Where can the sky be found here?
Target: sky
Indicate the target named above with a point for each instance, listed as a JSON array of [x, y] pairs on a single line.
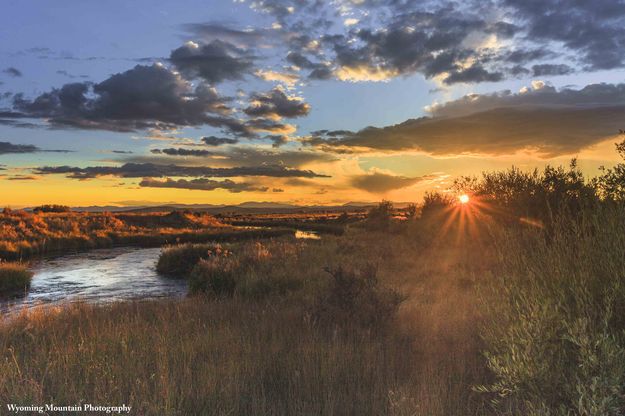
[[299, 101]]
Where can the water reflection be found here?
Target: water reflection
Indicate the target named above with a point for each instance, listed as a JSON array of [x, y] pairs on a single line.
[[311, 235]]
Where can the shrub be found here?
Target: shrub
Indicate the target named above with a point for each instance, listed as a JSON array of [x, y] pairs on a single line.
[[14, 279], [556, 343], [215, 275], [379, 217], [178, 261], [355, 297], [52, 208], [435, 204]]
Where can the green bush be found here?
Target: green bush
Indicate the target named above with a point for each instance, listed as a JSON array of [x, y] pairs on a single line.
[[556, 341], [14, 279]]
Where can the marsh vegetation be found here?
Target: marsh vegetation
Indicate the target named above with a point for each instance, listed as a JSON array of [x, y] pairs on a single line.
[[511, 303]]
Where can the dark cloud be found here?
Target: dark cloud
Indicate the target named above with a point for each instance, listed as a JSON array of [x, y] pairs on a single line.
[[594, 29], [182, 152], [11, 71], [542, 119], [438, 39], [380, 183], [6, 147], [143, 170], [268, 126], [122, 152], [551, 69], [140, 98], [277, 139], [215, 61], [203, 184], [276, 104], [318, 70], [253, 156], [211, 31], [218, 141], [473, 74]]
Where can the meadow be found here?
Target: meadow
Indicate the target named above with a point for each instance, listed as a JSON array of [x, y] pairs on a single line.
[[25, 234], [511, 303]]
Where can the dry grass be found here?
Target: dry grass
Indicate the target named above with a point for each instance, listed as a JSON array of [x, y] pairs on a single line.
[[270, 354], [25, 234]]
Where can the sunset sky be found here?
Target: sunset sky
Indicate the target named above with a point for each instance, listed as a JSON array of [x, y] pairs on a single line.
[[299, 101]]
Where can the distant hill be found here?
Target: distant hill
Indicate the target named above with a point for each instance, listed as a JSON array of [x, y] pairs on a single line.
[[245, 207], [251, 207]]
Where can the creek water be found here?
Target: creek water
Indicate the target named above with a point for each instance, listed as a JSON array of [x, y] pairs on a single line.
[[102, 275]]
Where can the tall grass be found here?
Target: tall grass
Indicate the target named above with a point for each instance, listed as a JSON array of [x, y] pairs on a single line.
[[200, 358], [310, 328], [14, 279]]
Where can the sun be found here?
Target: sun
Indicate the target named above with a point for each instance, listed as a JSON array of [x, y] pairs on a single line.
[[464, 199]]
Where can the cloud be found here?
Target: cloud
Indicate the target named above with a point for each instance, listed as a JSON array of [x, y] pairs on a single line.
[[379, 183], [285, 78], [215, 62], [595, 30], [6, 147], [551, 69], [22, 178], [211, 31], [544, 120], [203, 184], [318, 70], [13, 72], [276, 104], [469, 42], [218, 141], [143, 97], [261, 125], [182, 152], [142, 170], [250, 156], [473, 74]]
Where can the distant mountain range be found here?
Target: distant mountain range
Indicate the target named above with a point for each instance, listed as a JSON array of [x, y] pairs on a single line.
[[245, 207]]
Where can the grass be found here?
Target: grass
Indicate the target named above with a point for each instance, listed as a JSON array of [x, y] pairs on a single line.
[[25, 234], [14, 279], [199, 358], [288, 340], [496, 307]]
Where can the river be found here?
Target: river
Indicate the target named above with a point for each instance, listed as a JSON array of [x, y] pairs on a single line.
[[102, 275]]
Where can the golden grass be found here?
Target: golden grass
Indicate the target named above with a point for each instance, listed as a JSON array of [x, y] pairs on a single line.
[[268, 355]]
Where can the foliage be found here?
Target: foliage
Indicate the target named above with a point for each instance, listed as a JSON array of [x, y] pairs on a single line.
[[51, 208], [514, 194], [14, 279], [555, 341], [436, 204], [356, 297], [379, 217], [611, 183]]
